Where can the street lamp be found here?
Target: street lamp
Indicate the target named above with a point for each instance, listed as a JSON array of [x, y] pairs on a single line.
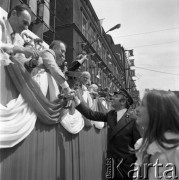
[[117, 26]]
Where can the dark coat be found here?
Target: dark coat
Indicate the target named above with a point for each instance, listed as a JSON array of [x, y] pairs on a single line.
[[121, 136]]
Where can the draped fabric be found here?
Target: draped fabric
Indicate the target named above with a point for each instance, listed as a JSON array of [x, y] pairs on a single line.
[[98, 107], [34, 93], [73, 123], [16, 122], [49, 151], [80, 96], [18, 117], [48, 113]]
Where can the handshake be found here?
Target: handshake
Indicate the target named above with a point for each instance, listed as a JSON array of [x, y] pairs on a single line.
[[70, 97]]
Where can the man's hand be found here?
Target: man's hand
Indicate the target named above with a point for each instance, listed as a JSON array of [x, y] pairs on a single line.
[[81, 58], [27, 51], [76, 100], [68, 93], [7, 49], [30, 51], [35, 62]]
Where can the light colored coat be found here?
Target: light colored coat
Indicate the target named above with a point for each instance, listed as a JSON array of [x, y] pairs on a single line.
[[165, 162]]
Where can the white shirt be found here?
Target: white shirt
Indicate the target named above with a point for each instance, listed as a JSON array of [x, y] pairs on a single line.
[[6, 30], [120, 113]]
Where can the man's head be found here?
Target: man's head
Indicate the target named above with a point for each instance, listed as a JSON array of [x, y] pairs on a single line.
[[19, 18], [85, 77], [59, 47], [121, 99]]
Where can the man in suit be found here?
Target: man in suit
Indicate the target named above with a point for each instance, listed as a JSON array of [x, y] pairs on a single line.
[[52, 59], [122, 133]]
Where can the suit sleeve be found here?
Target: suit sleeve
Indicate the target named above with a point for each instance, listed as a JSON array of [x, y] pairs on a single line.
[[92, 115], [50, 64]]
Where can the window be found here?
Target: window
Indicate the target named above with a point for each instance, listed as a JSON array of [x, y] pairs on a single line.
[[104, 54], [90, 34], [84, 26], [94, 41]]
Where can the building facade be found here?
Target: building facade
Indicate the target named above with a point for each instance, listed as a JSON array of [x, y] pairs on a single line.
[[76, 23], [79, 27]]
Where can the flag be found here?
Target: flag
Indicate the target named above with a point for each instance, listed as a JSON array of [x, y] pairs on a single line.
[[132, 72], [131, 62], [100, 23], [131, 53]]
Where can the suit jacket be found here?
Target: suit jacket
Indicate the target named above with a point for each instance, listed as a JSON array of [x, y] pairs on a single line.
[[121, 136]]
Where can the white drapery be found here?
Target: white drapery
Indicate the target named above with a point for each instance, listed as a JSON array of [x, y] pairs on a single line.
[[17, 119], [73, 123], [87, 98]]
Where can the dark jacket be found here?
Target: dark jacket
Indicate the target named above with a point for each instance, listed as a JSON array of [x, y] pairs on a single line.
[[121, 137]]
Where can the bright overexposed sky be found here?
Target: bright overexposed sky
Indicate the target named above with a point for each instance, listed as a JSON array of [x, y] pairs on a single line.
[[151, 28]]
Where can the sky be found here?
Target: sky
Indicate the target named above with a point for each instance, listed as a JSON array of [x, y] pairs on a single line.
[[151, 29]]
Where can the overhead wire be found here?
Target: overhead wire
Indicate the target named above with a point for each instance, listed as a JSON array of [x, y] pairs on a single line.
[[152, 65], [154, 44], [137, 34], [156, 71]]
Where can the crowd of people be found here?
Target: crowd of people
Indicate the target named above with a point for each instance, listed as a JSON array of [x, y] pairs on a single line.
[[135, 143]]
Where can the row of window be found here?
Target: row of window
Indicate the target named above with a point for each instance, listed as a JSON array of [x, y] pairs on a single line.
[[91, 35]]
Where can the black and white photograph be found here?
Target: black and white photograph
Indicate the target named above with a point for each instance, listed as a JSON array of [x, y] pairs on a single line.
[[89, 89]]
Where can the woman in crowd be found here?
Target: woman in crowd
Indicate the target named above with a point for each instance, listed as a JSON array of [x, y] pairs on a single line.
[[158, 151]]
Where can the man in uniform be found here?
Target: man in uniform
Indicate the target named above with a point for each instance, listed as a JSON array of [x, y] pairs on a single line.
[[122, 133]]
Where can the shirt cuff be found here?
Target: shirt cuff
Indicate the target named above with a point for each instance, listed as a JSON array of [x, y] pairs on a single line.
[[64, 85]]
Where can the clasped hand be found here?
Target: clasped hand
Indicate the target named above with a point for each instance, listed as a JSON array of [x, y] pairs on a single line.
[[27, 51], [71, 95]]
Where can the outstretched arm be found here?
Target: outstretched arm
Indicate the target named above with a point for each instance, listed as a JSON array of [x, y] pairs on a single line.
[[88, 113]]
